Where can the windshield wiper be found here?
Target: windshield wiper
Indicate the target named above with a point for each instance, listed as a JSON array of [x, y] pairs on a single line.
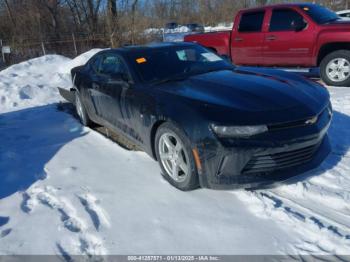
[[170, 79], [215, 70]]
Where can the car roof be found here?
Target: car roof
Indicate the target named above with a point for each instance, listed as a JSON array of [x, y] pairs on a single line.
[[151, 46]]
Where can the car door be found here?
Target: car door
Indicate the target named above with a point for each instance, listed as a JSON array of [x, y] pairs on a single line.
[[93, 83], [111, 89], [289, 39], [248, 38]]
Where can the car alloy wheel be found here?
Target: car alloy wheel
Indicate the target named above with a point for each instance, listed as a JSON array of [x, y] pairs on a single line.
[[173, 157], [338, 69]]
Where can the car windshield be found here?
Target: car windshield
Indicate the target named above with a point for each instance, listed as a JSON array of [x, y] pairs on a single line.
[[175, 63], [320, 14]]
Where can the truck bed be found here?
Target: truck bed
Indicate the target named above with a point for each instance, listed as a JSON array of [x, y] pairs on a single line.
[[221, 41]]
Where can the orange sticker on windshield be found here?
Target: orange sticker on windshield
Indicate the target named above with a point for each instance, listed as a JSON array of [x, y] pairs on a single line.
[[141, 60]]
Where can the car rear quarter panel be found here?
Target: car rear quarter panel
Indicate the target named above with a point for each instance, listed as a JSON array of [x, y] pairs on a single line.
[[80, 76]]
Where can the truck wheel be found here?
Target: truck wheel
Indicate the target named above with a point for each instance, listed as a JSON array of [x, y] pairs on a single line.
[[335, 68]]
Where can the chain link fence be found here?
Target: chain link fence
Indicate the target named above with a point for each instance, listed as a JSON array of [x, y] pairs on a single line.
[[69, 45]]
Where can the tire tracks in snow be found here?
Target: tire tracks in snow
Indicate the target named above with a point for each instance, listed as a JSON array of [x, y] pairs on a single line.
[[302, 212], [317, 209], [85, 243], [319, 232]]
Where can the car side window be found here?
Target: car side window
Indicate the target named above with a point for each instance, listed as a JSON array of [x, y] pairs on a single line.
[[186, 55], [113, 65], [95, 64], [285, 20], [251, 22]]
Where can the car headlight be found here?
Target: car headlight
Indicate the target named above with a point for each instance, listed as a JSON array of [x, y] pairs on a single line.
[[239, 131]]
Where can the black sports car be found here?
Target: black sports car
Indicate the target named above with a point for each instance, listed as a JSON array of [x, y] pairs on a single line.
[[207, 122]]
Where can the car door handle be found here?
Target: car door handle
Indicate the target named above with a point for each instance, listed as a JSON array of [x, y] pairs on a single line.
[[238, 39], [271, 38]]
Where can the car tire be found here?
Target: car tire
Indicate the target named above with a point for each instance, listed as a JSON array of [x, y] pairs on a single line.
[[81, 111], [176, 159], [335, 68]]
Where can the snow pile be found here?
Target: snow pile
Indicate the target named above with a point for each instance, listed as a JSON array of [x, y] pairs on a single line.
[[149, 31], [177, 34], [219, 27], [31, 83], [35, 82], [180, 29], [177, 37], [78, 61]]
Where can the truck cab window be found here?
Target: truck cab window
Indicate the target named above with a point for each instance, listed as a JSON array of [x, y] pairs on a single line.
[[251, 22], [285, 20]]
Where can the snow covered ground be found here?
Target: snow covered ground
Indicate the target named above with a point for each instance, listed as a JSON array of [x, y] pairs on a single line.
[[66, 189]]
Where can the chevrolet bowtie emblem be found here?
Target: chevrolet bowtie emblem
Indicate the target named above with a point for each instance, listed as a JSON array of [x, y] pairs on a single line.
[[311, 121]]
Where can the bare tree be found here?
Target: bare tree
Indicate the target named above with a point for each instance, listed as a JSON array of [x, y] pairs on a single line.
[[10, 13], [93, 9], [133, 11], [25, 24], [112, 20]]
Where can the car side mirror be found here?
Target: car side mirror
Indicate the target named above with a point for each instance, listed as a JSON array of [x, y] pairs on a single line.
[[299, 25]]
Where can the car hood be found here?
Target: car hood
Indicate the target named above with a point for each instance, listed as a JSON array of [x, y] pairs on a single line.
[[255, 91]]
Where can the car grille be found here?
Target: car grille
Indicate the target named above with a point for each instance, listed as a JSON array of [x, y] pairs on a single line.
[[301, 123], [277, 161], [288, 125]]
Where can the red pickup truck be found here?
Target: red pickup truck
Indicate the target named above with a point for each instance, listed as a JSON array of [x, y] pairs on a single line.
[[286, 35]]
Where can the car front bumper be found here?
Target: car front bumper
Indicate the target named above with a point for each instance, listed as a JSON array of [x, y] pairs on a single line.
[[261, 163]]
